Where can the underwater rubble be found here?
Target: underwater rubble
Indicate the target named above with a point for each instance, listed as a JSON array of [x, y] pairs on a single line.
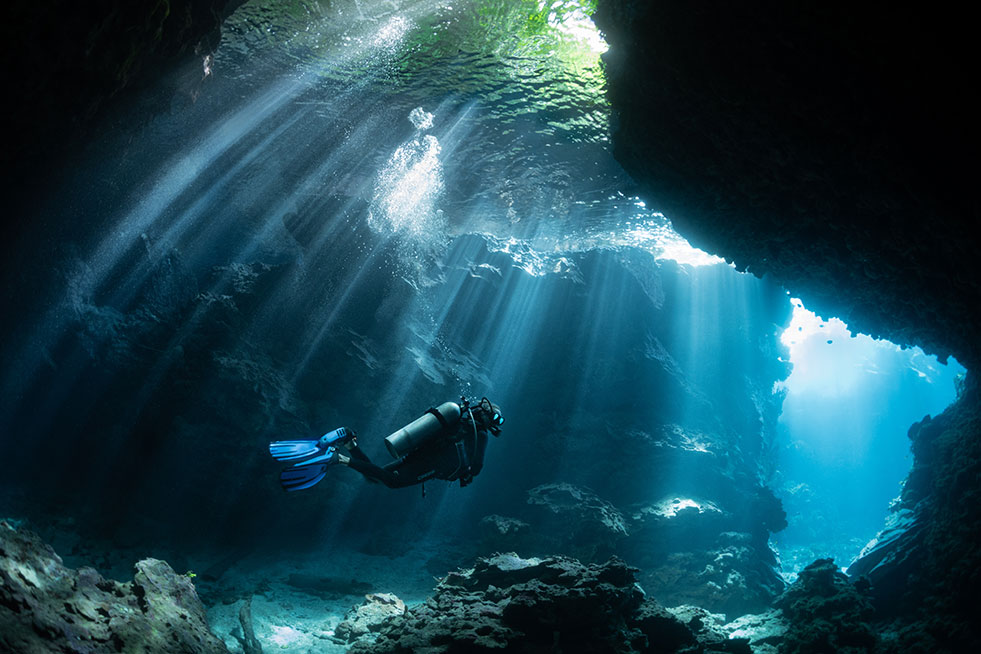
[[826, 612]]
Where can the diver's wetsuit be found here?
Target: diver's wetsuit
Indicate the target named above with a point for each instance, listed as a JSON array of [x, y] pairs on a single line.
[[437, 460]]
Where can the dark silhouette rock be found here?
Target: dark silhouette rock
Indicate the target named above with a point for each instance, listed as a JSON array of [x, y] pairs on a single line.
[[826, 612], [576, 521], [69, 61], [500, 534], [812, 143], [924, 566]]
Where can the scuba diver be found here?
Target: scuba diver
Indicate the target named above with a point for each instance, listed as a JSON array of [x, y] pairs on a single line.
[[446, 442]]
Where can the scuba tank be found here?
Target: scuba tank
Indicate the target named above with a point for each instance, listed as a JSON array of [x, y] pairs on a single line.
[[423, 429]]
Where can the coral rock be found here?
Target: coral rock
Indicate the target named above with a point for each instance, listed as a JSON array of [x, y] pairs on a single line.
[[554, 604]]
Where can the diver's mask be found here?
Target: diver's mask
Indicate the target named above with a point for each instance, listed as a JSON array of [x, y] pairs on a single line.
[[492, 417]]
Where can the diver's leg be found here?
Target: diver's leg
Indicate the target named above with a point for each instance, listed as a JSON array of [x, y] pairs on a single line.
[[388, 475], [406, 471], [357, 453]]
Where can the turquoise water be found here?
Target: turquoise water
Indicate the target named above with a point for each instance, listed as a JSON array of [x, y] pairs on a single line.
[[849, 402]]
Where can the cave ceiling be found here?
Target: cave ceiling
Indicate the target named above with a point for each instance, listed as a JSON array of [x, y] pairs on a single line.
[[833, 149]]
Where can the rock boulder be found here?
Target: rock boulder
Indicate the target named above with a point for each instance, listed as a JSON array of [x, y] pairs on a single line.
[[46, 607]]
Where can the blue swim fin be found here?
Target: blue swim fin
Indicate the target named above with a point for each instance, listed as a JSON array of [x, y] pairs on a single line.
[[308, 472], [293, 450], [300, 477], [312, 458]]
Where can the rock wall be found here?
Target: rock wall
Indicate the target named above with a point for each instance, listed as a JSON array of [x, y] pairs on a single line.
[[64, 62], [796, 141], [652, 444], [924, 566], [813, 143]]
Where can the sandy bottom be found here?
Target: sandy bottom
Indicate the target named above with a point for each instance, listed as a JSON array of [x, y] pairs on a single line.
[[292, 619]]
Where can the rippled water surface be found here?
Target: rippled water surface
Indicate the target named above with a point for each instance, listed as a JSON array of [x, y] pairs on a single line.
[[517, 144]]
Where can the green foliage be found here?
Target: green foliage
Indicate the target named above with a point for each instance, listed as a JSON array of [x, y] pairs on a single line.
[[521, 28]]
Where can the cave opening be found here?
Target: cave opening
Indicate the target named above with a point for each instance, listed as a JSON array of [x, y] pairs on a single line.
[[849, 401]]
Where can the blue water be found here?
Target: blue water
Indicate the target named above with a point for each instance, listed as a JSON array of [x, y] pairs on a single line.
[[358, 213], [849, 402]]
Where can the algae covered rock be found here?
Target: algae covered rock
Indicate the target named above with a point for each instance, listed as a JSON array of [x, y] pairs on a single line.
[[554, 604], [46, 607]]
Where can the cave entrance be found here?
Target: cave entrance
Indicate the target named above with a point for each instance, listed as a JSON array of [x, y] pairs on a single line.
[[844, 455]]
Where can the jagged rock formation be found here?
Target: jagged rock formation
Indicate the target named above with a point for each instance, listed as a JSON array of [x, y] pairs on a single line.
[[555, 604], [701, 410], [576, 521], [811, 142], [46, 607], [202, 386], [795, 140], [688, 551], [925, 566], [499, 533], [822, 611]]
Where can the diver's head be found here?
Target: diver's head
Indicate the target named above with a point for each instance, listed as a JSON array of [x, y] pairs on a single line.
[[489, 415]]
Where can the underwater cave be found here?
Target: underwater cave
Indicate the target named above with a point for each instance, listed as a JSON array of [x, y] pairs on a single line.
[[713, 266]]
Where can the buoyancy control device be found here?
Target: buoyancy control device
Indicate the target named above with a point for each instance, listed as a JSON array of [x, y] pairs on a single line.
[[423, 429]]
